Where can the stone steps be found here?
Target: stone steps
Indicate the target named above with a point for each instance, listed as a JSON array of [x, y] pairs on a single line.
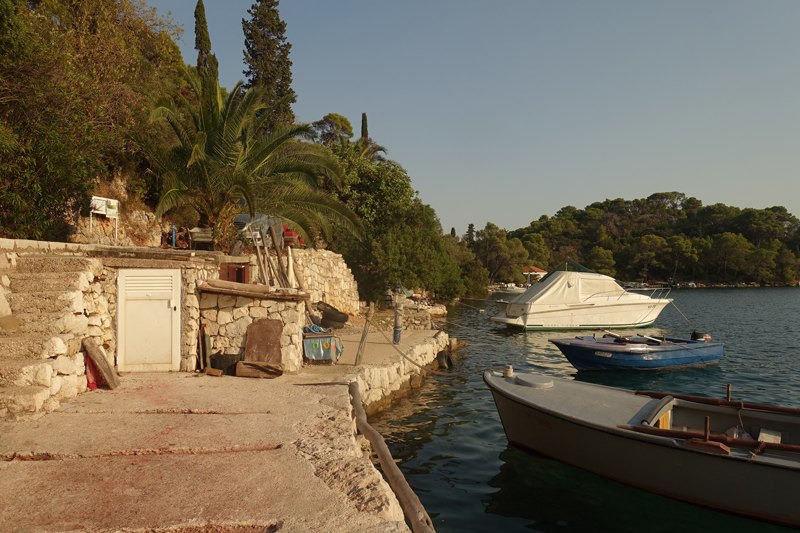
[[25, 403], [46, 302], [49, 281], [41, 337], [38, 324], [43, 264], [37, 347], [26, 372]]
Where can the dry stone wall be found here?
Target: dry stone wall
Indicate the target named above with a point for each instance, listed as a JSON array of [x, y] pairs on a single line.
[[226, 318], [326, 278]]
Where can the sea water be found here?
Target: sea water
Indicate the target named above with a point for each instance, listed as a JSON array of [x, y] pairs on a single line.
[[450, 444]]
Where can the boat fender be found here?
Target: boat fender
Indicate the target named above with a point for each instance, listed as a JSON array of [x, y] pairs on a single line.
[[444, 360]]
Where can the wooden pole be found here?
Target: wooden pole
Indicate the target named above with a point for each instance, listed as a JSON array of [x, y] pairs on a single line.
[[398, 322], [363, 343], [412, 507], [285, 278], [261, 269]]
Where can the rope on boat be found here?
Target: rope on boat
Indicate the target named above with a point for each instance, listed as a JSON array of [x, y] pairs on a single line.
[[684, 316]]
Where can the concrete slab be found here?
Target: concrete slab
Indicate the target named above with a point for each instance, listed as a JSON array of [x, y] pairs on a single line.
[[189, 452]]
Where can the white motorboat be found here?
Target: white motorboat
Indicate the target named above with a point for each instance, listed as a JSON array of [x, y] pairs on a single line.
[[581, 300]]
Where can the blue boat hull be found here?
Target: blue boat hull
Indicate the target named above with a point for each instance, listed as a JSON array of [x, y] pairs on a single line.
[[588, 353]]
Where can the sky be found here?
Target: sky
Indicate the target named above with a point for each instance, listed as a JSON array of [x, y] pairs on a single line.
[[508, 110]]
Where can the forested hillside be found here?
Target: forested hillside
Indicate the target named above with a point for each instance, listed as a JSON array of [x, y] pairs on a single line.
[[666, 236]]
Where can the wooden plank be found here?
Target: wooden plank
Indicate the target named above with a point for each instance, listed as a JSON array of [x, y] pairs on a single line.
[[207, 344], [213, 371], [264, 341], [253, 294], [258, 369], [99, 359]]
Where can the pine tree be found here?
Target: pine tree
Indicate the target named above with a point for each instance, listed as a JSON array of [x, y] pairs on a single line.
[[266, 55]]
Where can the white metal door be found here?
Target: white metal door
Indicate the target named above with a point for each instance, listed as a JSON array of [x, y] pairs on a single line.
[[148, 320]]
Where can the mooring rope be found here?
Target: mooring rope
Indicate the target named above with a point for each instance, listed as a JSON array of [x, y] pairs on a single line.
[[684, 316], [436, 372]]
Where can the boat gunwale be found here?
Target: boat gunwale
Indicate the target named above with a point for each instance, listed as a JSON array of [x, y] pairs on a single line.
[[629, 434]]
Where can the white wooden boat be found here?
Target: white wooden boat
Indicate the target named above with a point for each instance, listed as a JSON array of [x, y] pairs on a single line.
[[580, 300], [729, 456]]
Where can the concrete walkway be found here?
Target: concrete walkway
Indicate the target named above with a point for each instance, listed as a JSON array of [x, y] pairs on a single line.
[[193, 453]]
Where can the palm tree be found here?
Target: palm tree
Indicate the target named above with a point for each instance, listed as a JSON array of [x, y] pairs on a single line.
[[220, 164]]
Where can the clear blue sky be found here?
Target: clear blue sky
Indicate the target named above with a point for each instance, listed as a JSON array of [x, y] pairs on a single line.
[[505, 111]]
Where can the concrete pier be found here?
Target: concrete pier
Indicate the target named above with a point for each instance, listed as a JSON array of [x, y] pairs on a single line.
[[186, 452]]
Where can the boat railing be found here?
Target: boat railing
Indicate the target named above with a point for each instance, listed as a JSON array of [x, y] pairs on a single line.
[[656, 293]]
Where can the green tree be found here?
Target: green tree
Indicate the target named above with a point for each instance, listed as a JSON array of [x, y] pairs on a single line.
[[71, 82], [220, 162], [266, 55], [648, 250], [682, 253], [504, 258], [601, 260], [332, 128], [538, 253], [731, 251], [202, 40]]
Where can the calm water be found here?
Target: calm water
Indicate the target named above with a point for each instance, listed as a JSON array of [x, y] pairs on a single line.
[[451, 447]]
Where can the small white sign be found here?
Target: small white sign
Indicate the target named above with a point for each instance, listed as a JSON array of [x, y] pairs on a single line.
[[105, 206]]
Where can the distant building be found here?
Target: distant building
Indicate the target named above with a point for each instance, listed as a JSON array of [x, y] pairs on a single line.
[[533, 273]]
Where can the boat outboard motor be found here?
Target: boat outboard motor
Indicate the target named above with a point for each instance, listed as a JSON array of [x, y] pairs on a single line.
[[698, 336]]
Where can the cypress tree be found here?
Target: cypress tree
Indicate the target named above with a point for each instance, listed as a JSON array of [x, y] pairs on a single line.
[[364, 129], [202, 41], [266, 55]]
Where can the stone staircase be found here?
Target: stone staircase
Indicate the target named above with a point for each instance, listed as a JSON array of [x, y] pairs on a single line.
[[40, 340]]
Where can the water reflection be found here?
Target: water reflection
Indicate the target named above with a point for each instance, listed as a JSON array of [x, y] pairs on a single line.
[[451, 446]]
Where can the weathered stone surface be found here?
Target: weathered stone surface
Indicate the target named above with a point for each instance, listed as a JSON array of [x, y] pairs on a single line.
[[224, 316], [63, 365], [258, 312], [226, 300], [239, 327], [209, 314], [208, 300]]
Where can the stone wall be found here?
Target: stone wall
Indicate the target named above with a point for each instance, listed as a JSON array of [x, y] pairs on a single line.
[[379, 385], [226, 319], [132, 229], [326, 278]]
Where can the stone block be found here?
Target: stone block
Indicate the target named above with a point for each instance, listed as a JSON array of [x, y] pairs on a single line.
[[191, 301], [208, 300], [80, 363], [63, 365], [239, 312], [212, 328], [95, 320], [69, 387], [242, 301], [238, 328], [55, 384], [224, 316], [209, 314], [258, 312], [226, 300]]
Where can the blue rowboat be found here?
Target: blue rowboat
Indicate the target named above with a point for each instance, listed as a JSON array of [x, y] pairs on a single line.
[[614, 352]]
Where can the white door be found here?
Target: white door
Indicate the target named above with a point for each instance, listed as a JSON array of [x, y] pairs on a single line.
[[148, 320]]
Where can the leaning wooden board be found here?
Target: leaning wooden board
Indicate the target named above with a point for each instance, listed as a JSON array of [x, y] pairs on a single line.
[[264, 341], [99, 359]]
